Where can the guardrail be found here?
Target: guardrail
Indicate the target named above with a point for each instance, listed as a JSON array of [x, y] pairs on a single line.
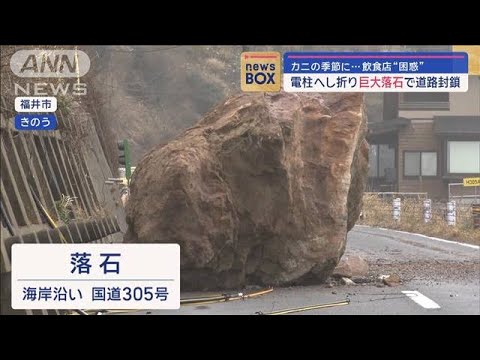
[[392, 194], [470, 195]]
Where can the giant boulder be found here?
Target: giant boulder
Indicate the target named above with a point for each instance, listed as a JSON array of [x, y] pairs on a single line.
[[261, 191]]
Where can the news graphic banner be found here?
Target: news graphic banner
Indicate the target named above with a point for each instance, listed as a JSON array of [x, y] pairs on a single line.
[[36, 101], [40, 111], [50, 63], [34, 122], [260, 71], [95, 276], [375, 72], [35, 104]]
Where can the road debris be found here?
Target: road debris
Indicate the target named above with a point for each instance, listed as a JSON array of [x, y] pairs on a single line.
[[223, 297], [392, 280], [351, 266], [189, 301], [347, 281], [305, 308]]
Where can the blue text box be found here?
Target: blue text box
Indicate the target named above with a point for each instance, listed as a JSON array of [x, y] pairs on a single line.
[[376, 62], [34, 122]]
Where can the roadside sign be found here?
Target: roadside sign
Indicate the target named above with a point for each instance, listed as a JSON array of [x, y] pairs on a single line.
[[471, 181]]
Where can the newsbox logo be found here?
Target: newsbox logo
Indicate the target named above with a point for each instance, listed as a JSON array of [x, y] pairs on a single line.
[[261, 71]]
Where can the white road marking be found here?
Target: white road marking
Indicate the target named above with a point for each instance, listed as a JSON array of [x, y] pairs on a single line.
[[476, 247], [422, 300]]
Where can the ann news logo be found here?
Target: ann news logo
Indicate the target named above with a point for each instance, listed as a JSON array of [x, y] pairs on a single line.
[[260, 71], [50, 64]]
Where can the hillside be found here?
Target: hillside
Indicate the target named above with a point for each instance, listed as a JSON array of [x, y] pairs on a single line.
[[152, 93]]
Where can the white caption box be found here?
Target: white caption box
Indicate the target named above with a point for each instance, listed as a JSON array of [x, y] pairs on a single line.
[[299, 82], [59, 276], [36, 104]]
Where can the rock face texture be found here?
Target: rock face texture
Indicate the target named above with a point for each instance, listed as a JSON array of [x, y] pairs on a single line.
[[261, 191]]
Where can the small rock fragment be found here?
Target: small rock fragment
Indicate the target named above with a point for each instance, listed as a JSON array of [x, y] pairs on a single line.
[[347, 281], [392, 280], [351, 266]]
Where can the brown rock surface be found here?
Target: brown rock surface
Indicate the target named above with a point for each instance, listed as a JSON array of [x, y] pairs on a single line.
[[351, 266], [262, 190]]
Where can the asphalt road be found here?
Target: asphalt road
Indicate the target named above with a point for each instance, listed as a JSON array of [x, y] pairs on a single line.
[[438, 277]]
